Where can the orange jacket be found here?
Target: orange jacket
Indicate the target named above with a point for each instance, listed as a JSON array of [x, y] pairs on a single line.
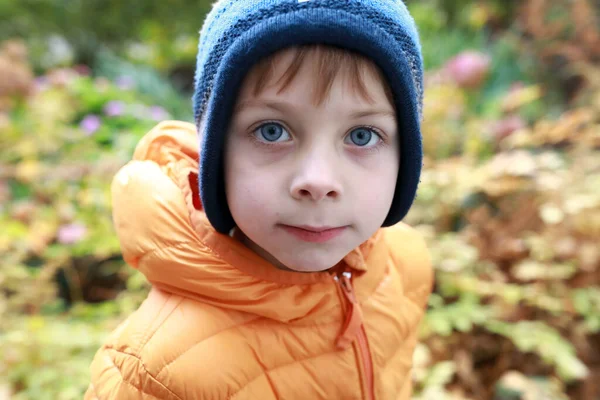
[[222, 323]]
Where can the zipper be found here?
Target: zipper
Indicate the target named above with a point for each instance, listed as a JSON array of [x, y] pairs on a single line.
[[353, 332], [363, 346]]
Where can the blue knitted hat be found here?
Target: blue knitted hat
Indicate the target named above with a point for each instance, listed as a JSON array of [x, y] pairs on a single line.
[[238, 33]]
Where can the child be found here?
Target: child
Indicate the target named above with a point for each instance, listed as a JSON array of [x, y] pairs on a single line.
[[272, 277]]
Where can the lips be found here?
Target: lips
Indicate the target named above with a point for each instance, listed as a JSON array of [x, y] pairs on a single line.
[[314, 234]]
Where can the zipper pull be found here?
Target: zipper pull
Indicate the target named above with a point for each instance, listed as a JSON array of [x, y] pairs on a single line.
[[354, 318]]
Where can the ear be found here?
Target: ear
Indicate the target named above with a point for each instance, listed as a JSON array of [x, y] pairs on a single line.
[[193, 181]]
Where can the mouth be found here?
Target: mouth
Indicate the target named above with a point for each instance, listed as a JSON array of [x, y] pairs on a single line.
[[314, 234]]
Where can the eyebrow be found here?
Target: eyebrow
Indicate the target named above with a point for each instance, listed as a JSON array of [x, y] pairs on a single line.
[[282, 107], [370, 113], [285, 107]]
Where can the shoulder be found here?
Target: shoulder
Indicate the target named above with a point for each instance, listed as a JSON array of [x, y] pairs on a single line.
[[161, 350], [410, 255], [119, 370]]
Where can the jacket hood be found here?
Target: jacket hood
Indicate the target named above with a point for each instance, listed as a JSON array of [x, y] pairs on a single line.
[[164, 233]]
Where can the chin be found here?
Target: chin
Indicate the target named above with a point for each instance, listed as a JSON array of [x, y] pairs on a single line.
[[308, 263]]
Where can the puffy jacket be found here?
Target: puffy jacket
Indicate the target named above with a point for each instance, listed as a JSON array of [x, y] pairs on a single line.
[[222, 323]]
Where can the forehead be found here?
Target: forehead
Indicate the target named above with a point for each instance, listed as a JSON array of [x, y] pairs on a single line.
[[318, 66]]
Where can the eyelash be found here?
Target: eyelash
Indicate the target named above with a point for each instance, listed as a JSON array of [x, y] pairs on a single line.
[[375, 130], [382, 137]]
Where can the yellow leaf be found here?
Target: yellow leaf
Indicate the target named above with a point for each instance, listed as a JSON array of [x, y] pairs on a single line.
[[36, 323], [29, 170], [505, 185], [551, 214], [518, 98]]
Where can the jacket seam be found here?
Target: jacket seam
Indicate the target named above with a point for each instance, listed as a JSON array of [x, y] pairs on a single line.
[[414, 291], [141, 362], [265, 371], [407, 381], [419, 295], [225, 330], [155, 250], [205, 339], [392, 360], [163, 322]]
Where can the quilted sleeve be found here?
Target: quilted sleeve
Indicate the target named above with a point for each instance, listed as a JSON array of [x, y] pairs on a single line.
[[409, 253], [117, 375]]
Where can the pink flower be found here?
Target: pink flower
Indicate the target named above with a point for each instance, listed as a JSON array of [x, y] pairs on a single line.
[[125, 82], [61, 77], [469, 69], [158, 113], [90, 124], [82, 69], [507, 126], [114, 108], [41, 83], [71, 233]]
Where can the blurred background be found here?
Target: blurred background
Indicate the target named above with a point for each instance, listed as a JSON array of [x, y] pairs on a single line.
[[509, 200]]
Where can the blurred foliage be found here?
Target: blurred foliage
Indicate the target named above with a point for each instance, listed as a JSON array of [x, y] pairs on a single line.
[[565, 37], [62, 141], [509, 199], [74, 32]]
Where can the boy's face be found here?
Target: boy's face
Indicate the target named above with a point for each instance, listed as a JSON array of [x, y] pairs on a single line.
[[306, 183]]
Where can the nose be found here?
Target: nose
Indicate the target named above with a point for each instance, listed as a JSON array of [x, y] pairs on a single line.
[[316, 181]]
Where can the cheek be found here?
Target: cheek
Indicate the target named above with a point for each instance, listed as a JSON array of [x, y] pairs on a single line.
[[248, 191], [374, 191], [374, 199]]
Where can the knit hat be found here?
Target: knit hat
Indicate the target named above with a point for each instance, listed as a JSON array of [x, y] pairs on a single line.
[[238, 33]]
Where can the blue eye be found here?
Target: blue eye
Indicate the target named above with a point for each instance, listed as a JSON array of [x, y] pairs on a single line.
[[272, 132], [363, 137]]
